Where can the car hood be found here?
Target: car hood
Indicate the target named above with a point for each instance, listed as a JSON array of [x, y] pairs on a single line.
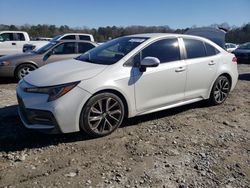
[[18, 56], [63, 72]]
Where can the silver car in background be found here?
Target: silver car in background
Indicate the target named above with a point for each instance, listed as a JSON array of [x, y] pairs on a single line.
[[20, 65], [123, 78]]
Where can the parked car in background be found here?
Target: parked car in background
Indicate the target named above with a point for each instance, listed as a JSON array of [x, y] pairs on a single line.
[[41, 39], [230, 47], [11, 42], [20, 65], [125, 77], [67, 36], [243, 53]]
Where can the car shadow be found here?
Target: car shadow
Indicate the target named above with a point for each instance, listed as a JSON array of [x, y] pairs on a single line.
[[8, 81], [244, 76], [15, 137]]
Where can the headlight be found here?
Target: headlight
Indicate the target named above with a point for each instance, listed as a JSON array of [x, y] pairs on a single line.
[[5, 63], [54, 92]]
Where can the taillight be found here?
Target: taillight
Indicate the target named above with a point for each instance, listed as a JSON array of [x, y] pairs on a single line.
[[234, 59]]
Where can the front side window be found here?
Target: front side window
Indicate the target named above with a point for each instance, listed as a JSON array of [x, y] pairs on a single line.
[[7, 36], [194, 48], [65, 48], [45, 48], [165, 50], [84, 37], [84, 47], [20, 36], [69, 37], [112, 51]]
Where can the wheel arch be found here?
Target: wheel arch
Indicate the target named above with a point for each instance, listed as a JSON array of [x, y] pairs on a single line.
[[119, 94], [25, 63], [228, 75]]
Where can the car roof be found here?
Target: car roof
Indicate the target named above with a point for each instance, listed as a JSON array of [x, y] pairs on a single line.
[[160, 35], [81, 41]]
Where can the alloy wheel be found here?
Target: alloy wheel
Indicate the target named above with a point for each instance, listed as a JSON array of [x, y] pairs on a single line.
[[105, 115], [221, 90]]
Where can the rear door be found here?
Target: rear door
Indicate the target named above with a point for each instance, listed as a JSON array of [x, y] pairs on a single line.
[[202, 60], [83, 47], [8, 46], [19, 37]]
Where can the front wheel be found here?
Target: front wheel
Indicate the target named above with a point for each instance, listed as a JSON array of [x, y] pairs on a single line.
[[220, 90], [24, 70], [102, 114]]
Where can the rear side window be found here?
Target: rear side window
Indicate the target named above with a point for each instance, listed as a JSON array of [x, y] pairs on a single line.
[[84, 47], [7, 36], [211, 50], [84, 37], [165, 50], [20, 36], [69, 37], [194, 48]]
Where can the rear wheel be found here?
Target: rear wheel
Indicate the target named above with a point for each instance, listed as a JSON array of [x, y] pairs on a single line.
[[220, 90], [23, 70], [102, 114]]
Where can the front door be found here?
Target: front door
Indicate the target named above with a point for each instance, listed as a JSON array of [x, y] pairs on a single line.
[[162, 85]]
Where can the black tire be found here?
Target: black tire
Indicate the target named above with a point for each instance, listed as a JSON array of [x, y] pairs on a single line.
[[23, 70], [102, 114], [220, 90]]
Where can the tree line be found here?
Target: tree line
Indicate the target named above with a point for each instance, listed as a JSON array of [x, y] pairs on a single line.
[[235, 34]]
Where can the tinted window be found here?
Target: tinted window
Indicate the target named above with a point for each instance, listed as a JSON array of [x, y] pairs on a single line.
[[194, 48], [165, 50], [210, 50], [20, 36], [7, 36], [245, 46], [83, 37], [84, 47], [65, 48], [69, 37]]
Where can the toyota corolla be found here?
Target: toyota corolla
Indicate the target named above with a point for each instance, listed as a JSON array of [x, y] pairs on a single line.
[[123, 78]]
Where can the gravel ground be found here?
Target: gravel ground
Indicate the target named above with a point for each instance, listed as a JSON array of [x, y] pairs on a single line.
[[191, 146]]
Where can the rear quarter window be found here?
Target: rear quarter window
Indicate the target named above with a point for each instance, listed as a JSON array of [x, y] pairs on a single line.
[[210, 50]]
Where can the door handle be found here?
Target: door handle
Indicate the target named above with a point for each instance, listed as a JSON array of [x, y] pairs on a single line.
[[13, 43], [180, 69], [211, 63]]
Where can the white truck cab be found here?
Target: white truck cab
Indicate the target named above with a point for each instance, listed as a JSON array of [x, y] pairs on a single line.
[[11, 42]]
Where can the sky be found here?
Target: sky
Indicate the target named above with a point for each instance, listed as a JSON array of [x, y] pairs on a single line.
[[96, 13]]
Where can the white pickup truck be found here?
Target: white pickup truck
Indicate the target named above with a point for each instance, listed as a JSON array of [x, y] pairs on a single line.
[[33, 45], [11, 42]]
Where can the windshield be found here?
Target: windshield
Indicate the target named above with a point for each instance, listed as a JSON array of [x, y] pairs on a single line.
[[112, 51], [55, 38], [245, 46], [45, 48]]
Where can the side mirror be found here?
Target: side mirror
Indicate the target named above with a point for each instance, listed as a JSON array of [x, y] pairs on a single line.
[[149, 62]]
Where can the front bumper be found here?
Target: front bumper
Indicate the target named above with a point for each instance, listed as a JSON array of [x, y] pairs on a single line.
[[59, 116]]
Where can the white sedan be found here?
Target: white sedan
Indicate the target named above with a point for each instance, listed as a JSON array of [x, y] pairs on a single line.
[[123, 78]]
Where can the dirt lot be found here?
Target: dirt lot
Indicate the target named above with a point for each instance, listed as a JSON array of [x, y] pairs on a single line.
[[191, 146]]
